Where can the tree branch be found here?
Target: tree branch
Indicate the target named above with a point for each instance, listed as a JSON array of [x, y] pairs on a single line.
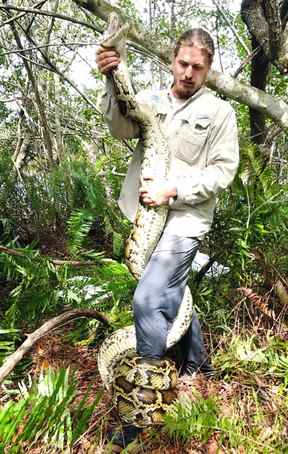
[[40, 106], [52, 23], [44, 46], [102, 9], [56, 262], [232, 28], [8, 21], [48, 326], [46, 13], [54, 69], [224, 84], [246, 94], [246, 61]]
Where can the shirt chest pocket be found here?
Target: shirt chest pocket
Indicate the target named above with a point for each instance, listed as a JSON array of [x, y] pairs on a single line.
[[191, 139]]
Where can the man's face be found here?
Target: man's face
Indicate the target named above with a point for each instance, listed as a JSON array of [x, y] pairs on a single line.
[[190, 68]]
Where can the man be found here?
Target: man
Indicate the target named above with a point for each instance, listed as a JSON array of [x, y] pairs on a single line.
[[201, 132]]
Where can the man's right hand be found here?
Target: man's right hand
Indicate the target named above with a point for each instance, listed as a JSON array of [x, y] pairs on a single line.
[[107, 59]]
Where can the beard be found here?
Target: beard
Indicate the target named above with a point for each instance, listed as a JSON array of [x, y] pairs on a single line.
[[184, 91]]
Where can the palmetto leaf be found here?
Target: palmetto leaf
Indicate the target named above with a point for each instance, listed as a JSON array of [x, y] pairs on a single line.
[[44, 414]]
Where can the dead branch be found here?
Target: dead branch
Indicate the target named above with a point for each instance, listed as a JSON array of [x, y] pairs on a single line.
[[75, 263], [246, 61], [51, 324], [56, 262]]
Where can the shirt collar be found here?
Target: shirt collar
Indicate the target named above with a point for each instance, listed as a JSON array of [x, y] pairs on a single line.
[[190, 99], [164, 106]]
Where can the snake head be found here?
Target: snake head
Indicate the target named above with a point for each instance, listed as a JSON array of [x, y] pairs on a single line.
[[116, 34]]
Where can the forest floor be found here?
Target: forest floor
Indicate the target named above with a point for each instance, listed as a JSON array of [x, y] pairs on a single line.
[[251, 395], [54, 351]]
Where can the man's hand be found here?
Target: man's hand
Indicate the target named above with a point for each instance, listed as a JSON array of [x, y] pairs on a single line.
[[156, 193], [107, 59]]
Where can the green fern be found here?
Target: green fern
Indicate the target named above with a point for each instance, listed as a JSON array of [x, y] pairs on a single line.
[[245, 356], [46, 415], [88, 189], [79, 225], [8, 339], [192, 419]]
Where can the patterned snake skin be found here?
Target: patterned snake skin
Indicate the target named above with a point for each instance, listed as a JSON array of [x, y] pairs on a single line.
[[144, 237]]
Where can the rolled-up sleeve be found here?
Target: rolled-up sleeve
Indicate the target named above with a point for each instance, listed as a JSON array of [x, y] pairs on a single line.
[[120, 126], [221, 165]]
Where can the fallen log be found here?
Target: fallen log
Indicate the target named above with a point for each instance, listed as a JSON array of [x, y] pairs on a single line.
[[48, 326]]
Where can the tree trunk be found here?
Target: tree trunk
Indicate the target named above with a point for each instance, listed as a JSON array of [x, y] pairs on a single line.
[[41, 108], [259, 72]]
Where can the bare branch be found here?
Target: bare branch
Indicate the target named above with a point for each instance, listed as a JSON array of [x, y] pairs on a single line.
[[49, 32], [56, 262], [8, 21], [232, 28], [40, 106], [48, 326], [246, 94], [246, 61], [53, 68], [44, 46], [46, 13], [17, 98], [33, 62]]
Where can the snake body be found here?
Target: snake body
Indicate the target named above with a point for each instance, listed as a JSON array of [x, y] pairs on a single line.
[[117, 358]]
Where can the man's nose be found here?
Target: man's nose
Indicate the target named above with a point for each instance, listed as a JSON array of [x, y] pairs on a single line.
[[189, 72]]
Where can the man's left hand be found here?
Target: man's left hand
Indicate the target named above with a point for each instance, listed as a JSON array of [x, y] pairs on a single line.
[[156, 193]]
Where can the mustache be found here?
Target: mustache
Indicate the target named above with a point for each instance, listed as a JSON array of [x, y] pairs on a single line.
[[188, 82]]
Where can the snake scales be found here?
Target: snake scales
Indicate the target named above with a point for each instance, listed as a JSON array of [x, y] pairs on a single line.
[[142, 391]]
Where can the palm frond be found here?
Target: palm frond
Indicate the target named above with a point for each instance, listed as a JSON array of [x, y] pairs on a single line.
[[79, 225], [45, 416]]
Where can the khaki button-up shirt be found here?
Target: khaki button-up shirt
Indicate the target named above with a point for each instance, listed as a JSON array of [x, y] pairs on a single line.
[[202, 134]]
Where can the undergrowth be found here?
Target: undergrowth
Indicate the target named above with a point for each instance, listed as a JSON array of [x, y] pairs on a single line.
[[244, 409], [46, 415]]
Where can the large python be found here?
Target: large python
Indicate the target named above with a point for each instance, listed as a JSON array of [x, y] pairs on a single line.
[[142, 391]]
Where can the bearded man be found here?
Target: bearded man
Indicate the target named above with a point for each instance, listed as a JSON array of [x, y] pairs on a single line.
[[201, 132]]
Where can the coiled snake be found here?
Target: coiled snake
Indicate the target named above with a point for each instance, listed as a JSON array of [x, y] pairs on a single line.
[[142, 391]]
